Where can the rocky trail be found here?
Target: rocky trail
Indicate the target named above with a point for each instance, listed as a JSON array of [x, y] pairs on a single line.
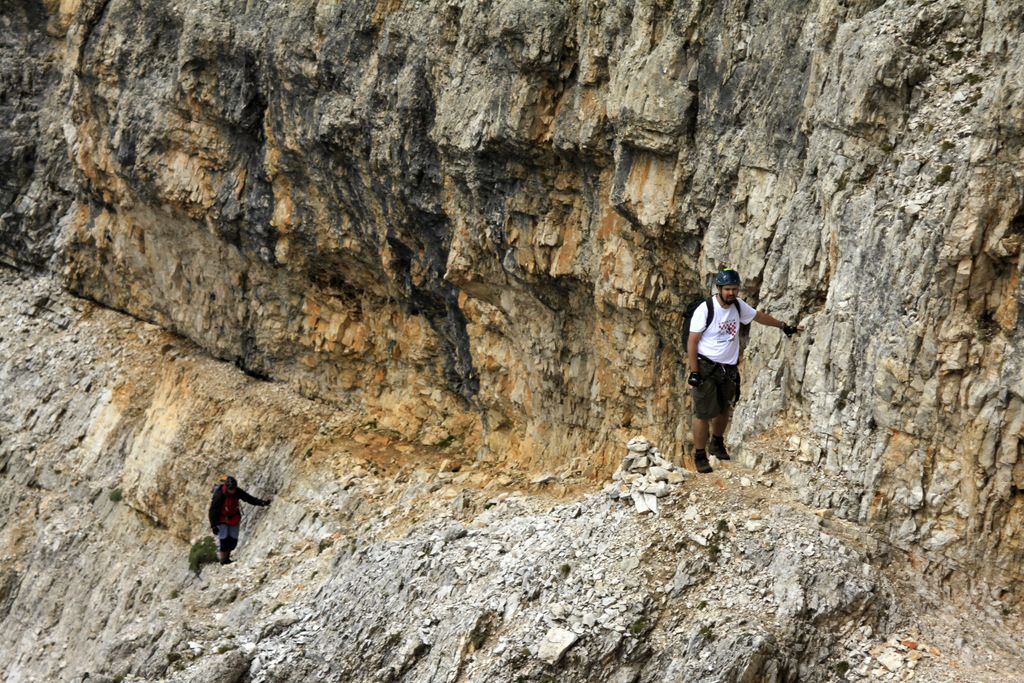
[[382, 560]]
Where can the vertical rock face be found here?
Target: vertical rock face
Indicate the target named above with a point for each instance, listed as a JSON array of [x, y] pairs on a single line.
[[35, 177], [482, 220]]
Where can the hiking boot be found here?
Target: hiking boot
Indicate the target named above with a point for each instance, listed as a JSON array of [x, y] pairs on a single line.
[[701, 462], [716, 447]]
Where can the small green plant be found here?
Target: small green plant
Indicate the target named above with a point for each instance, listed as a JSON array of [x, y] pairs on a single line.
[[172, 657], [946, 145], [446, 442], [564, 571], [638, 627], [116, 495], [841, 667], [944, 175], [722, 526], [974, 79], [707, 633], [204, 551], [174, 594], [714, 551], [703, 604], [226, 647]]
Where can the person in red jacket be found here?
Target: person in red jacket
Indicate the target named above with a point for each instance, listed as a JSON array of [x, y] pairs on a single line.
[[226, 514]]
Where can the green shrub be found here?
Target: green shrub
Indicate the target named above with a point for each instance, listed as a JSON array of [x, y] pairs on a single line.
[[116, 495], [204, 551]]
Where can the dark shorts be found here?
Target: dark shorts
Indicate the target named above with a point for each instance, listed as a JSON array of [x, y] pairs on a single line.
[[718, 393]]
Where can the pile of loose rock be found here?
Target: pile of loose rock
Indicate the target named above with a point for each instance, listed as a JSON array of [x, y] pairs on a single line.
[[897, 657], [644, 476]]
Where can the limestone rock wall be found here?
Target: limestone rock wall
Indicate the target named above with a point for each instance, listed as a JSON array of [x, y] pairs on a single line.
[[480, 221]]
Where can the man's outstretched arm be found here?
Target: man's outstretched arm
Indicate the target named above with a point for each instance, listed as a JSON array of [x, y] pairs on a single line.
[[250, 499], [764, 319]]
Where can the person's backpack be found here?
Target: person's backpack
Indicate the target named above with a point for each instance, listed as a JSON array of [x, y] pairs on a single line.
[[688, 316]]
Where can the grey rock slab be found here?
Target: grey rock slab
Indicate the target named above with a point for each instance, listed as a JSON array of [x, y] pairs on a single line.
[[658, 473], [554, 644], [891, 660], [652, 502], [676, 477], [640, 501], [638, 445], [640, 463]]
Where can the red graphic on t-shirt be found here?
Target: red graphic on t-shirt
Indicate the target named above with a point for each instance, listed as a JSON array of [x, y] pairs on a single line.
[[728, 328]]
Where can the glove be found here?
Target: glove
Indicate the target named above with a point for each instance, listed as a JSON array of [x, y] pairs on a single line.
[[788, 330], [695, 380], [216, 530], [266, 503]]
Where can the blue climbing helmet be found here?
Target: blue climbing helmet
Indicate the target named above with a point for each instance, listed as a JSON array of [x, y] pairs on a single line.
[[728, 276]]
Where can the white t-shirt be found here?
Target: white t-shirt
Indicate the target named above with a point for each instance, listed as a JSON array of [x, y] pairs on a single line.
[[721, 343]]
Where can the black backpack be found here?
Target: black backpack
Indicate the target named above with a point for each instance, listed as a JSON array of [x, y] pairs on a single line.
[[688, 316]]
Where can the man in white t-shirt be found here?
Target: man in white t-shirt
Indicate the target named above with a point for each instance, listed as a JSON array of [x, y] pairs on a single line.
[[713, 353]]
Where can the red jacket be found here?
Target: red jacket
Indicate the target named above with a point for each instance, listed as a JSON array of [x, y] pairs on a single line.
[[225, 508]]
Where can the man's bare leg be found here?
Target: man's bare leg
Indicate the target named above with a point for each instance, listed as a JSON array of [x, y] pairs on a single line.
[[718, 425], [700, 433]]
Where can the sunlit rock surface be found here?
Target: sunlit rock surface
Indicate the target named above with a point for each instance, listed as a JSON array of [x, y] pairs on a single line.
[[475, 226]]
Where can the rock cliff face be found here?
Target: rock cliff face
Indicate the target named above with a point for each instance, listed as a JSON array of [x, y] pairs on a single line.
[[477, 223], [383, 561]]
